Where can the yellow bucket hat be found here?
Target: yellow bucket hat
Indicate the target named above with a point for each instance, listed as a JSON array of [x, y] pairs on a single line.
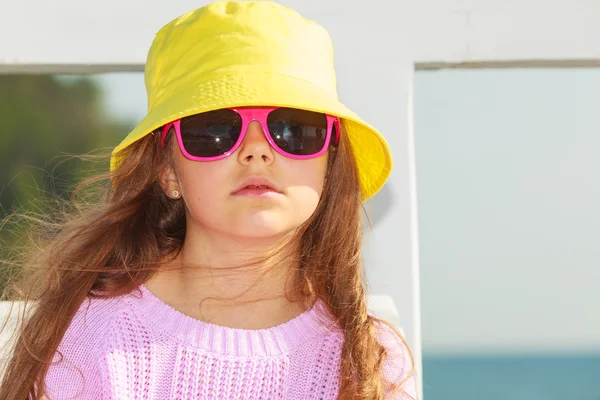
[[251, 53]]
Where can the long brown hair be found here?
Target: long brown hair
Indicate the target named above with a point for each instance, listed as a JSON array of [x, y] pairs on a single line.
[[117, 228]]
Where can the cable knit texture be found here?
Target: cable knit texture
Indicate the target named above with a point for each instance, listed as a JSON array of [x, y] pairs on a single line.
[[138, 347]]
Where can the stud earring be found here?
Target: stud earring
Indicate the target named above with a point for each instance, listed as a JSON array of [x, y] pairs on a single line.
[[175, 194]]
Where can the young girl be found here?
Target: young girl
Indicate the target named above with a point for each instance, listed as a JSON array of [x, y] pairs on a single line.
[[221, 258]]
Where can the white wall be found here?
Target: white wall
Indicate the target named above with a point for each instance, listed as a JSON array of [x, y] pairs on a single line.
[[425, 31]]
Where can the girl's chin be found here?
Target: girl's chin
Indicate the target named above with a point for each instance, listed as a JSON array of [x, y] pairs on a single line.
[[263, 225], [266, 225]]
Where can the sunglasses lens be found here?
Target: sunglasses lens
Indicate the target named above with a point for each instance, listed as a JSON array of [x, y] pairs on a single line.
[[210, 134], [298, 132]]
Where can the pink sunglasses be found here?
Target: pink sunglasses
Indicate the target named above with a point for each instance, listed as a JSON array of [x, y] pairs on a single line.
[[294, 133]]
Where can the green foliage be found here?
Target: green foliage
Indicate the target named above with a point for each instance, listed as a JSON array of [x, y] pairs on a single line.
[[43, 122]]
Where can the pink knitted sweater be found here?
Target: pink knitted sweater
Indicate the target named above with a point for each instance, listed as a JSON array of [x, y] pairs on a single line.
[[138, 347]]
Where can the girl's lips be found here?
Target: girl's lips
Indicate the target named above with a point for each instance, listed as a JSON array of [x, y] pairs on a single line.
[[256, 186], [256, 192]]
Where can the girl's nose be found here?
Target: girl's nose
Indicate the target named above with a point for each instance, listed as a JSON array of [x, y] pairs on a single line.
[[255, 146]]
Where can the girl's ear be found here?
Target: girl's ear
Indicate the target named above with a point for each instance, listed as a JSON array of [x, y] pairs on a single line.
[[167, 178]]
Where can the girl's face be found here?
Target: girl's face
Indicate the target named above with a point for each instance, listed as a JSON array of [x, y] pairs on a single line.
[[221, 196]]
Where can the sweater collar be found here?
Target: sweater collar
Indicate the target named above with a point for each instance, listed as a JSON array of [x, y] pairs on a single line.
[[285, 338]]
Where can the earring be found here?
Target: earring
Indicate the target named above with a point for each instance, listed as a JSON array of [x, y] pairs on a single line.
[[175, 194]]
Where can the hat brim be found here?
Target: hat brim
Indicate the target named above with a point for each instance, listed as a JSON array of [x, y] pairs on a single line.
[[372, 152]]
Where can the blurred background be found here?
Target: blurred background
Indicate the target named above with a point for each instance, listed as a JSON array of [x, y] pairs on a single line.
[[507, 165]]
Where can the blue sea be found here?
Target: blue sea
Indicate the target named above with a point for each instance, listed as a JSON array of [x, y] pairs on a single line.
[[511, 378]]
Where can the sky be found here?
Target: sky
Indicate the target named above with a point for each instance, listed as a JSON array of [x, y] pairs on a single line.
[[508, 199]]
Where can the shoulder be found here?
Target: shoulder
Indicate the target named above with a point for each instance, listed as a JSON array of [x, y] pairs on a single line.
[[396, 348], [75, 368], [399, 363], [387, 336], [91, 322]]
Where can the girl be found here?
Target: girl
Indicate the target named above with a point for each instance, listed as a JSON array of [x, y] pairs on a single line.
[[221, 257]]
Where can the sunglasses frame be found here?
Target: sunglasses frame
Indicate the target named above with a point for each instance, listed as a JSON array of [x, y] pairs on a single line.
[[249, 114]]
